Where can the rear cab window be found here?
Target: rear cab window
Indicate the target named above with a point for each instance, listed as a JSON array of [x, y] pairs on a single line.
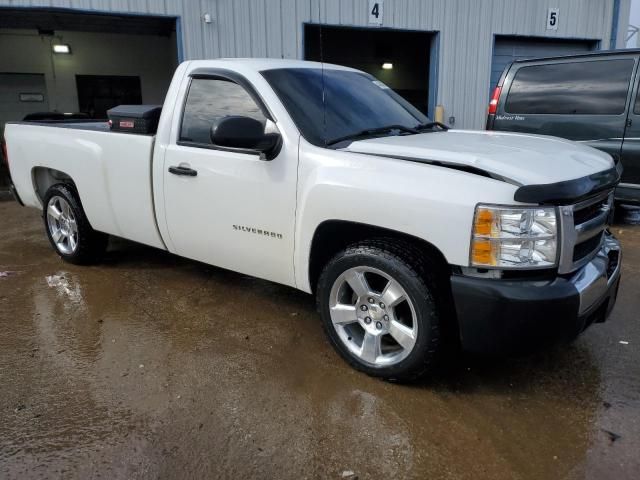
[[592, 87]]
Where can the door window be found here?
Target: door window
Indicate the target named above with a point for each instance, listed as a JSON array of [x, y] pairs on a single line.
[[209, 100], [577, 88]]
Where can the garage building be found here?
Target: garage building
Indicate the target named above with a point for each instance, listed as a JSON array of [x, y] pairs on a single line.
[[88, 55]]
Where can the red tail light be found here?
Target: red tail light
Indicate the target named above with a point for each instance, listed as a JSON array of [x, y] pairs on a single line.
[[493, 104]]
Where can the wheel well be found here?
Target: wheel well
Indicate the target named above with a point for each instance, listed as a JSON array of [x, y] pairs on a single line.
[[334, 235], [44, 177]]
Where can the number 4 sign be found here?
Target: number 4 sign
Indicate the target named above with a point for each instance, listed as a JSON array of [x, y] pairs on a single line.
[[375, 11], [552, 18]]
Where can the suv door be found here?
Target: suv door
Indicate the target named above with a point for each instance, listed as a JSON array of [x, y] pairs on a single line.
[[228, 207], [582, 99], [629, 188]]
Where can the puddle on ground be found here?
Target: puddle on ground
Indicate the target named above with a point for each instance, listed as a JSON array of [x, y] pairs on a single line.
[[152, 366]]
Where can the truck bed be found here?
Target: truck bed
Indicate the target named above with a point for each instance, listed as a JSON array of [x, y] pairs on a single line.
[[94, 125], [111, 171]]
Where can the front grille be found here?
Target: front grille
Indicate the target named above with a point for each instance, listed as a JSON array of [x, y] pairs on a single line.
[[587, 247], [589, 212], [583, 226]]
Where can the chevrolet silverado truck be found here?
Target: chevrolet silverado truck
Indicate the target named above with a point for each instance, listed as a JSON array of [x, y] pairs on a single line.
[[322, 178]]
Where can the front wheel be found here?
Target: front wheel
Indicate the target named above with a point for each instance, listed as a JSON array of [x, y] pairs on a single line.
[[377, 307], [68, 228]]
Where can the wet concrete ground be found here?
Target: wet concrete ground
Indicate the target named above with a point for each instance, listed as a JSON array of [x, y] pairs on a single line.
[[151, 366]]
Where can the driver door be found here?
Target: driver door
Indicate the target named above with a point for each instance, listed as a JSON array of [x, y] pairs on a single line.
[[232, 209]]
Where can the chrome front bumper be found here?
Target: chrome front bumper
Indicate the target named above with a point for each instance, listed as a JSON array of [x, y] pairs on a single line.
[[595, 279]]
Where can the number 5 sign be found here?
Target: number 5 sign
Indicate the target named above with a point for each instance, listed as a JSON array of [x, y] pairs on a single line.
[[375, 11], [552, 18]]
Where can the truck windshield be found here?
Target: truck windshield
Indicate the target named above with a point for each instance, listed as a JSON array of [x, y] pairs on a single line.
[[354, 102]]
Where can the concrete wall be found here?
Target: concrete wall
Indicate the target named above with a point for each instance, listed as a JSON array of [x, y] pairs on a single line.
[[152, 58], [466, 30]]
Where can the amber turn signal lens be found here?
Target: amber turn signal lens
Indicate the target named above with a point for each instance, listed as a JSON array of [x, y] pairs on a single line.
[[483, 222], [482, 253]]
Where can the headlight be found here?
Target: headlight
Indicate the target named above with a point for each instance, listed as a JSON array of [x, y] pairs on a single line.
[[514, 237]]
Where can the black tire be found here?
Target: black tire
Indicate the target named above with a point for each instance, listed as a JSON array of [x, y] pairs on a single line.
[[91, 245], [413, 271]]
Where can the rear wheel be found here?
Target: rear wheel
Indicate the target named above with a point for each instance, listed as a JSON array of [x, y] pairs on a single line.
[[68, 228], [377, 306]]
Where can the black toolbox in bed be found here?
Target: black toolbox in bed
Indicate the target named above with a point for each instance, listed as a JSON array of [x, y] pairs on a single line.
[[141, 119]]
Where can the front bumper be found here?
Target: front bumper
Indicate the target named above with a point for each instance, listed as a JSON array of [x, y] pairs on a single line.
[[510, 316]]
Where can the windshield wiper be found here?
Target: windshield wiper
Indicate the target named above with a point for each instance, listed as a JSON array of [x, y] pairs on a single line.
[[370, 132], [428, 126]]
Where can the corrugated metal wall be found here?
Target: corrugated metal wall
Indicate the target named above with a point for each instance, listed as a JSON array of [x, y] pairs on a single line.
[[466, 29]]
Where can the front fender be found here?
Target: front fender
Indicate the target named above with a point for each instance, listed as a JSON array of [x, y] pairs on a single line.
[[430, 202]]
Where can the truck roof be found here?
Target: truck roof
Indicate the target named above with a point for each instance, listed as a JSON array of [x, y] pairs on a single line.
[[260, 64]]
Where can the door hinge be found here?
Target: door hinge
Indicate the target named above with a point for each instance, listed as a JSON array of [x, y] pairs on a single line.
[[629, 122]]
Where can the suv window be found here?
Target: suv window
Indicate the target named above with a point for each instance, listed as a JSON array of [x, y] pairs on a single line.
[[210, 99], [592, 88]]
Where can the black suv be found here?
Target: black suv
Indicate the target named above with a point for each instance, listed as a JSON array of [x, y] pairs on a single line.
[[591, 98]]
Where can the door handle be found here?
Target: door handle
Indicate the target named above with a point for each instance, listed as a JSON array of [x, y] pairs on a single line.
[[186, 171]]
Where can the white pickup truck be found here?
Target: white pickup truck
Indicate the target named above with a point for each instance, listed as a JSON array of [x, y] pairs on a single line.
[[322, 178]]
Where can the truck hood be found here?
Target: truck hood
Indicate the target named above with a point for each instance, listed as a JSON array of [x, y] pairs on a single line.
[[519, 159]]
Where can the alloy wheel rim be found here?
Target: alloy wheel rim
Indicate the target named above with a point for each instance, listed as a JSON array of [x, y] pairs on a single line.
[[373, 316], [62, 225]]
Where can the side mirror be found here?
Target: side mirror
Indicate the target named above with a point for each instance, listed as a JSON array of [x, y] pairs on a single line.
[[240, 133]]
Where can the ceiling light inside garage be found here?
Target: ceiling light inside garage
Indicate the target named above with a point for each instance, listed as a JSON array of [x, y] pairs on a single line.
[[387, 66], [61, 48]]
